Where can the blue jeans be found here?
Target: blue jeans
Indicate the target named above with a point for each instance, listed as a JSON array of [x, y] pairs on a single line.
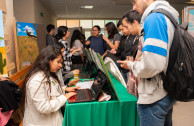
[[158, 113]]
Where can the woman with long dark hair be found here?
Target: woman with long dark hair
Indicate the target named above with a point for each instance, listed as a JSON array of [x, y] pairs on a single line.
[[77, 57], [114, 37], [113, 40], [63, 34], [43, 95]]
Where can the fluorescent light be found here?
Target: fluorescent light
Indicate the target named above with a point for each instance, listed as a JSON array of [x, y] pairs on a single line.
[[86, 7]]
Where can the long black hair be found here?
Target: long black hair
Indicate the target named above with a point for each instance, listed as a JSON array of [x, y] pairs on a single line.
[[41, 64], [62, 31], [76, 35], [111, 29]]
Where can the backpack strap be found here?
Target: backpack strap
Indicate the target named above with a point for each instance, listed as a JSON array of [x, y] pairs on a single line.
[[176, 42], [168, 15]]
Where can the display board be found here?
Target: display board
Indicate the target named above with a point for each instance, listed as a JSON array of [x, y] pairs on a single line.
[[27, 47], [3, 61]]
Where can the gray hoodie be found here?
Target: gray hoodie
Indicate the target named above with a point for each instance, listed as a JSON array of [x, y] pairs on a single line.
[[157, 39]]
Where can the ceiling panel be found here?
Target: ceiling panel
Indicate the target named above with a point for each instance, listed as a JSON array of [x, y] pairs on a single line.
[[70, 9]]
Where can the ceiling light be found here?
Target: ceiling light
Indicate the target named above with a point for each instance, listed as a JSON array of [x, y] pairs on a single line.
[[86, 7]]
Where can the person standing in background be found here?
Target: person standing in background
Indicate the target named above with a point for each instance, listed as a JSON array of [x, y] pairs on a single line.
[[96, 41], [124, 48], [75, 43], [50, 39], [113, 40], [63, 34]]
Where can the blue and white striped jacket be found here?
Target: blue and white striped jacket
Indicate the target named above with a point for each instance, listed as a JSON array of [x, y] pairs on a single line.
[[157, 39]]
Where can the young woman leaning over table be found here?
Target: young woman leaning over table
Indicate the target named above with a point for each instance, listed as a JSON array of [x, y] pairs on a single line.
[[43, 95]]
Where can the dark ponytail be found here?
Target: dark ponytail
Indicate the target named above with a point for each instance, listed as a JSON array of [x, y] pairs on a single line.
[[62, 31]]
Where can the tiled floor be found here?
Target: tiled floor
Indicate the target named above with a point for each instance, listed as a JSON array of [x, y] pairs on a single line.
[[183, 114]]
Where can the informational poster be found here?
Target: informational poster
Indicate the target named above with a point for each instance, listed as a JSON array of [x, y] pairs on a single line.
[[27, 47], [3, 61]]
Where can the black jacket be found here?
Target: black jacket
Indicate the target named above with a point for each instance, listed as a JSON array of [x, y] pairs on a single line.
[[9, 95], [127, 47]]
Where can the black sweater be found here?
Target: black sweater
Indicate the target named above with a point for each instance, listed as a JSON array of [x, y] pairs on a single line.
[[127, 47]]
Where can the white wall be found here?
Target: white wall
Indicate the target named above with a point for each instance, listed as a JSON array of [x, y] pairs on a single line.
[[24, 10], [47, 15], [29, 11]]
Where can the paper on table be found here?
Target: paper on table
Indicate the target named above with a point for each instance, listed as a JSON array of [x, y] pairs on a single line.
[[85, 85]]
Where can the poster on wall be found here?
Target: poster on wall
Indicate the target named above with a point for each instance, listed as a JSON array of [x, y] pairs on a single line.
[[191, 21], [3, 61], [27, 47]]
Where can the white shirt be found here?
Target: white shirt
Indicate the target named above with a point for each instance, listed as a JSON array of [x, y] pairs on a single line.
[[42, 107]]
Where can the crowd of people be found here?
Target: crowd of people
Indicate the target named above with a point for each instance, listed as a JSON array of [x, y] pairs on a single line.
[[139, 45]]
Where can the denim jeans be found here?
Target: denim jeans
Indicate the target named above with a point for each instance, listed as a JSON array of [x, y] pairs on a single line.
[[158, 113]]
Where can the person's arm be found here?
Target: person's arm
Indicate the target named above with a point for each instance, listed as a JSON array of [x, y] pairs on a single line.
[[68, 76], [113, 46], [74, 51], [87, 43], [154, 52], [42, 102], [78, 45]]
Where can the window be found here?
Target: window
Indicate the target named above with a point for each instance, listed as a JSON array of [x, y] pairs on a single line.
[[87, 34], [61, 23], [99, 22], [72, 23], [86, 23]]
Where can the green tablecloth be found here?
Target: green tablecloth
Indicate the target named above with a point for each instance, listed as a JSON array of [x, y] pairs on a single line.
[[107, 113]]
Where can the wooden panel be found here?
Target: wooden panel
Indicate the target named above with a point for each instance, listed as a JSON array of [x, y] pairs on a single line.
[[21, 124], [19, 74], [15, 40], [3, 6], [20, 83]]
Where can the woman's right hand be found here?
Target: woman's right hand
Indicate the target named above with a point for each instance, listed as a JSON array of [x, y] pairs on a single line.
[[79, 49], [70, 94], [72, 49], [87, 43], [105, 38]]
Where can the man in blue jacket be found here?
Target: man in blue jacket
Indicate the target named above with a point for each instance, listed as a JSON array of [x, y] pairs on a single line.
[[154, 104]]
